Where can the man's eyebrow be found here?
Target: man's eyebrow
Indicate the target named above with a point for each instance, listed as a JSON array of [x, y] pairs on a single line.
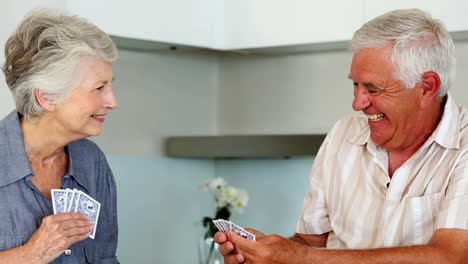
[[349, 76], [371, 85]]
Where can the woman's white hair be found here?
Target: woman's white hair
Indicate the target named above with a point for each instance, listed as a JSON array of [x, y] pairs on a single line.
[[44, 53], [419, 44]]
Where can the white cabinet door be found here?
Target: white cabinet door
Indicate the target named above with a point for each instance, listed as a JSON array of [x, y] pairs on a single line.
[[451, 12], [265, 23], [188, 22]]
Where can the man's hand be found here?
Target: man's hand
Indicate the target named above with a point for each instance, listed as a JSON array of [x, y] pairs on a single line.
[[271, 249], [56, 234], [227, 249]]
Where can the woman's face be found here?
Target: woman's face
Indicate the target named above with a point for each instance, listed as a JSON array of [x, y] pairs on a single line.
[[84, 112]]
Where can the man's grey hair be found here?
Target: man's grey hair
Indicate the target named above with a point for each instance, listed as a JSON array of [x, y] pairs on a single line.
[[44, 53], [419, 44]]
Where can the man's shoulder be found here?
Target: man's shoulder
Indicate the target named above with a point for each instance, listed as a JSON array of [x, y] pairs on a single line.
[[351, 126], [463, 118]]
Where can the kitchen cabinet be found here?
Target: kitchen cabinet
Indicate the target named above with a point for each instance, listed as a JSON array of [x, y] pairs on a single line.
[[264, 23], [224, 25], [186, 22], [249, 26], [450, 12]]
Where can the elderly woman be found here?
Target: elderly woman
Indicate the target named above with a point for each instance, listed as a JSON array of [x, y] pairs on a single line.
[[59, 71]]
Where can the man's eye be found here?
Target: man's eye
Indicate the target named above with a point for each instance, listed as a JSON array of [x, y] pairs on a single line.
[[100, 88], [374, 90]]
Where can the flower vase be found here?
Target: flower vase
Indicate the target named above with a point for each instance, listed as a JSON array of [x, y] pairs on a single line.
[[208, 252]]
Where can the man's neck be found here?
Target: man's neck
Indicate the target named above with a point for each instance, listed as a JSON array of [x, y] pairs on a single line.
[[431, 118]]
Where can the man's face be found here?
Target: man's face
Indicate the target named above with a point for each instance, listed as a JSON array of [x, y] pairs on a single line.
[[393, 112]]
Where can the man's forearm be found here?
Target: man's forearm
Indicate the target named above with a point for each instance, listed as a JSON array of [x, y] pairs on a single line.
[[401, 255], [318, 241]]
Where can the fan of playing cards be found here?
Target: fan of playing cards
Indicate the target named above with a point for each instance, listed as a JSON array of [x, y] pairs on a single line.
[[225, 225], [69, 200]]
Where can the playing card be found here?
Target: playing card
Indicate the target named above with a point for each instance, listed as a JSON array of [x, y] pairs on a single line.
[[242, 232], [223, 227], [69, 197], [216, 223], [59, 198], [89, 207], [74, 198]]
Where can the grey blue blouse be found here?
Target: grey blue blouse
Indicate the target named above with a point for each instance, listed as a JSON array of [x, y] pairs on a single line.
[[22, 206]]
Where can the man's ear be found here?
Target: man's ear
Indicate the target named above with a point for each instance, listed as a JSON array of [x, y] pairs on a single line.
[[44, 102], [431, 86]]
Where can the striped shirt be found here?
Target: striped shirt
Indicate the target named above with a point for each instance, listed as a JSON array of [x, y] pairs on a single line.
[[352, 196]]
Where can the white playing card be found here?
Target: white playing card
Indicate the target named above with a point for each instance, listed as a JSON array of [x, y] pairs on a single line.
[[74, 199], [89, 207], [59, 198], [223, 223], [242, 232], [215, 222]]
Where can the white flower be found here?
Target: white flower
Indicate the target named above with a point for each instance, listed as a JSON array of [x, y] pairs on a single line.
[[241, 200], [226, 196], [214, 185]]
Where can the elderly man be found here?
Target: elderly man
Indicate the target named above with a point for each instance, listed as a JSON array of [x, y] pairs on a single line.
[[389, 186]]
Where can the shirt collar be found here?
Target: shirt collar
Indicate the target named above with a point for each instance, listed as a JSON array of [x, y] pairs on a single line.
[[78, 167], [363, 134], [447, 133], [15, 162]]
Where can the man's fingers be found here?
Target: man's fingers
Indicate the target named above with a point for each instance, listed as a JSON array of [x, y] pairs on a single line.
[[226, 248], [234, 259], [220, 237], [257, 233], [239, 242]]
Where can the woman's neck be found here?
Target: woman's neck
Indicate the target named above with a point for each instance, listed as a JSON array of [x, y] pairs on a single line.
[[43, 141]]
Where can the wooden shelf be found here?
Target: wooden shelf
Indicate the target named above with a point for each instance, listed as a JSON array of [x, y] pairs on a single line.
[[244, 146]]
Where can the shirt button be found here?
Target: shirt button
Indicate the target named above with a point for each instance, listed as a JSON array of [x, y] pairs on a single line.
[[68, 252]]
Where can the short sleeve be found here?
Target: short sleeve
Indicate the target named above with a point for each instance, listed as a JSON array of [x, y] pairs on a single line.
[[314, 218]]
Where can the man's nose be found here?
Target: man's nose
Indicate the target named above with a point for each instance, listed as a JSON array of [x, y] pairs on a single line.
[[361, 98]]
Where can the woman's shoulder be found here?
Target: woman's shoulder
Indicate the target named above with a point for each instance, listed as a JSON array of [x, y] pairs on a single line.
[[85, 148]]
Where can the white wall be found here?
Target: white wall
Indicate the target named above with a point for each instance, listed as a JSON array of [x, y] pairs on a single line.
[[160, 95], [293, 94], [11, 13], [296, 94]]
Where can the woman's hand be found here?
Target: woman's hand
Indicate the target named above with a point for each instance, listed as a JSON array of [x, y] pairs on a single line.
[[56, 234]]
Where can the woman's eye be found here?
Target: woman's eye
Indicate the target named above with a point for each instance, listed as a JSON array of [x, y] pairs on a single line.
[[100, 88]]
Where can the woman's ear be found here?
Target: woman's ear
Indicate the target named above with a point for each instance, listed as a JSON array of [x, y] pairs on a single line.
[[431, 86], [44, 102]]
